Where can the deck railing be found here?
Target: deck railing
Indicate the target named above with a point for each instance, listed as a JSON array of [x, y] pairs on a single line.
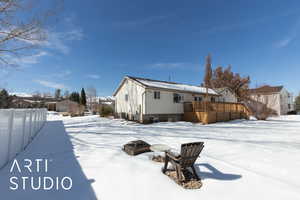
[[211, 112], [203, 106]]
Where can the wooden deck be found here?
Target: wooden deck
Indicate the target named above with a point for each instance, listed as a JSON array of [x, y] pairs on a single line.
[[212, 112]]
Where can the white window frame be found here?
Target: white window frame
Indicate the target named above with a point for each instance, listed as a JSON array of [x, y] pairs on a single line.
[[156, 94]]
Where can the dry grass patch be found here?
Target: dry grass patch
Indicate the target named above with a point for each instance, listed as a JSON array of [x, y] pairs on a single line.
[[190, 181]]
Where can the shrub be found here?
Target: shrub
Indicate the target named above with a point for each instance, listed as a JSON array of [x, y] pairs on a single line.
[[106, 111], [292, 112]]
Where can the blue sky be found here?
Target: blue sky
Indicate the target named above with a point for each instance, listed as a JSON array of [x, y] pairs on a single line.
[[97, 43]]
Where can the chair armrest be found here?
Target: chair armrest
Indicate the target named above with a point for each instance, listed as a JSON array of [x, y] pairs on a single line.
[[173, 155]]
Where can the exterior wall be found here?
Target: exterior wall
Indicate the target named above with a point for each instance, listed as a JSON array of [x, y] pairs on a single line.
[[141, 105], [65, 106], [134, 106], [62, 107], [272, 100], [286, 102], [166, 104], [227, 96]]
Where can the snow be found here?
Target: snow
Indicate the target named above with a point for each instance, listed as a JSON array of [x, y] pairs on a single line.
[[20, 94], [108, 98], [176, 86], [241, 159]]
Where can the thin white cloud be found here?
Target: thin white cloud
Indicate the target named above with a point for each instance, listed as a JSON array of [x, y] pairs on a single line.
[[290, 37], [93, 76], [56, 40], [50, 84], [285, 42], [60, 40], [25, 60]]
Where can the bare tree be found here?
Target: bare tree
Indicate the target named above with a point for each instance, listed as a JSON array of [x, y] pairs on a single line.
[[208, 72], [46, 94], [91, 94], [66, 94], [22, 27], [207, 77]]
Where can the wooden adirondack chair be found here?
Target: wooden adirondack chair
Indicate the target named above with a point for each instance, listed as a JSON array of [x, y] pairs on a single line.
[[187, 157]]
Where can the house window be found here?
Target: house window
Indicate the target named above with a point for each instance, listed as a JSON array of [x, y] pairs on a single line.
[[156, 95], [126, 97], [198, 98], [289, 106], [177, 98]]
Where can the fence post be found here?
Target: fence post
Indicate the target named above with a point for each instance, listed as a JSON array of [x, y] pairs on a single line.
[[30, 125], [34, 122], [38, 121], [10, 129], [23, 131]]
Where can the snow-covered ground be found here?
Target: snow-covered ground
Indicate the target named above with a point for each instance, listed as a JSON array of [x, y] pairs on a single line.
[[241, 159]]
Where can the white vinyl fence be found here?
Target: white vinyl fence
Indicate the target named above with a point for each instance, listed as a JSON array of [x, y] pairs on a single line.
[[17, 129]]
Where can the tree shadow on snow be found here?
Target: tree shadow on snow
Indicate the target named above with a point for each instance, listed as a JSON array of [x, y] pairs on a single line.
[[51, 143], [214, 173]]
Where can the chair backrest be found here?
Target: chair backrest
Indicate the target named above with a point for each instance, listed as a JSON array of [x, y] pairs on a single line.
[[190, 153]]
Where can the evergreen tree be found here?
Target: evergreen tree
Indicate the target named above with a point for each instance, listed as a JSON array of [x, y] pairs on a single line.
[[5, 99], [83, 97], [57, 93], [74, 96]]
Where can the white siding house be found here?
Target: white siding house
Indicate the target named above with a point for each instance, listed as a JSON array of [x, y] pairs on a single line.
[[276, 98], [146, 100], [227, 95]]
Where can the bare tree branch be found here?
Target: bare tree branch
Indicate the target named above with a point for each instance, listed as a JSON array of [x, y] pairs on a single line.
[[22, 27]]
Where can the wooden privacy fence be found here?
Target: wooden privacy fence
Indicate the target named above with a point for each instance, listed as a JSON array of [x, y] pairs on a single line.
[[211, 112], [17, 129]]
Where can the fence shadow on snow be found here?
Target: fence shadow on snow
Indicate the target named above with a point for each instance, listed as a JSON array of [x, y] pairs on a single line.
[[52, 143]]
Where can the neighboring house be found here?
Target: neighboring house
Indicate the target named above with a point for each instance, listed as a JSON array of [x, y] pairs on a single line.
[[297, 108], [146, 100], [66, 106], [275, 97], [227, 95], [51, 105], [23, 103], [23, 100]]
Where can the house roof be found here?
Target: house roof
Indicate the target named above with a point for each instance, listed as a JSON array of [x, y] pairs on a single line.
[[166, 85], [266, 89], [222, 89]]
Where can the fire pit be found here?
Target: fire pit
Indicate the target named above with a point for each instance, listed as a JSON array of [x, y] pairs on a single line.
[[136, 147]]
